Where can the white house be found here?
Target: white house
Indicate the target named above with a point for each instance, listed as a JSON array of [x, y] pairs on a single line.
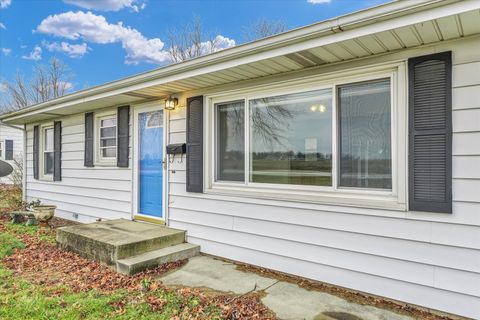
[[347, 151], [11, 147]]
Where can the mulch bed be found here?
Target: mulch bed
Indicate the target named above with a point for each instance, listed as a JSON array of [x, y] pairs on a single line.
[[44, 264]]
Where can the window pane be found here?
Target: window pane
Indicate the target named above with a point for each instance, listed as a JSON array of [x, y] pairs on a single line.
[[108, 132], [231, 141], [154, 119], [109, 153], [365, 135], [108, 142], [48, 163], [49, 139], [291, 139], [109, 122]]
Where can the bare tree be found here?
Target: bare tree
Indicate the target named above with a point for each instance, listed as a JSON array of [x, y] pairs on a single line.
[[263, 28], [191, 41], [47, 82]]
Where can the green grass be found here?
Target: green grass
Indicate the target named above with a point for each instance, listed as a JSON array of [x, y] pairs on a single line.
[[8, 244], [20, 299]]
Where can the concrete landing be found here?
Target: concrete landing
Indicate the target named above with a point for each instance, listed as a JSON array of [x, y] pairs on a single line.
[[287, 300], [109, 241]]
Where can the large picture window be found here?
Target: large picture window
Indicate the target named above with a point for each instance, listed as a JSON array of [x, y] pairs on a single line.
[[341, 141]]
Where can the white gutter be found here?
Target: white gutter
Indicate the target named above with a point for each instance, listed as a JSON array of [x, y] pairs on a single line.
[[369, 20]]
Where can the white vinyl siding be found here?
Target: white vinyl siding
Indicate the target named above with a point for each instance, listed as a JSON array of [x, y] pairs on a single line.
[[429, 259], [9, 133], [84, 194]]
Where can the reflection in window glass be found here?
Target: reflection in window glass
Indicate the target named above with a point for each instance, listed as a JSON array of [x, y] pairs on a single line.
[[365, 135], [108, 137], [291, 139], [231, 141], [48, 151]]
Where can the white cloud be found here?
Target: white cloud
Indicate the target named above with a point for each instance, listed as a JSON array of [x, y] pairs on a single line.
[[96, 29], [6, 51], [319, 1], [219, 43], [108, 5], [35, 55], [3, 87], [72, 50], [2, 26], [5, 3]]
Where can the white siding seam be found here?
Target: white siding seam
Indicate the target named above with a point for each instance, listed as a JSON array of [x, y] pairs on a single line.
[[85, 215], [32, 180], [82, 205], [332, 266], [83, 196], [63, 184], [343, 249], [173, 205]]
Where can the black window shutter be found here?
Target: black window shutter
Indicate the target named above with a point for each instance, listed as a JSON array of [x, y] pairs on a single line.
[[195, 144], [123, 122], [89, 148], [430, 133], [8, 149], [36, 142], [57, 151]]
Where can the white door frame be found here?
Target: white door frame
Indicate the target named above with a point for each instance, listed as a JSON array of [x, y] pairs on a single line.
[[147, 107]]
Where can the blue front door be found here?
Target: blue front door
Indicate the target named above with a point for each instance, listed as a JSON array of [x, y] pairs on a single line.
[[150, 166]]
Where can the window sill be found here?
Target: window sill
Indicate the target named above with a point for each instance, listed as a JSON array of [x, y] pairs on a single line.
[[347, 198], [46, 178], [106, 164]]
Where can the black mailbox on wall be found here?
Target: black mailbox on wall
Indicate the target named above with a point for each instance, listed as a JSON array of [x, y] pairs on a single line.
[[177, 148]]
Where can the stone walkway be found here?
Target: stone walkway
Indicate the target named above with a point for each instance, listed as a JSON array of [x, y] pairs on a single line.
[[287, 300]]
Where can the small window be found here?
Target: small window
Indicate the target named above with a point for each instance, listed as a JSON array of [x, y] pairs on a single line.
[[47, 151], [231, 141], [107, 138], [154, 119]]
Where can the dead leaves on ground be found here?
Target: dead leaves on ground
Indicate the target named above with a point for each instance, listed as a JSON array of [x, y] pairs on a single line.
[[44, 264]]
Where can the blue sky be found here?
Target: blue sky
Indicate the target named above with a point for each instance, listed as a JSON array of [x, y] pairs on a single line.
[[105, 40]]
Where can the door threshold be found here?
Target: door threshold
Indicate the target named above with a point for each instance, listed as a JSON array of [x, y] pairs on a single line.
[[148, 219]]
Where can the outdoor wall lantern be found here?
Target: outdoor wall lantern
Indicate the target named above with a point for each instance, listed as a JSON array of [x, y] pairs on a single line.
[[171, 103]]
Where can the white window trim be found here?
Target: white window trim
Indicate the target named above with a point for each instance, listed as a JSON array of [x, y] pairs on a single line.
[[394, 199], [2, 149], [41, 168], [99, 160]]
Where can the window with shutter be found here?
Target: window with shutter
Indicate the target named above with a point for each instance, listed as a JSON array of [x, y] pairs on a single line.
[[8, 149], [57, 151], [89, 133], [123, 117], [430, 133], [195, 144], [36, 143]]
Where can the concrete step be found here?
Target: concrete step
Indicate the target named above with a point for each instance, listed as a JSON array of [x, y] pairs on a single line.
[[109, 241], [157, 257]]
